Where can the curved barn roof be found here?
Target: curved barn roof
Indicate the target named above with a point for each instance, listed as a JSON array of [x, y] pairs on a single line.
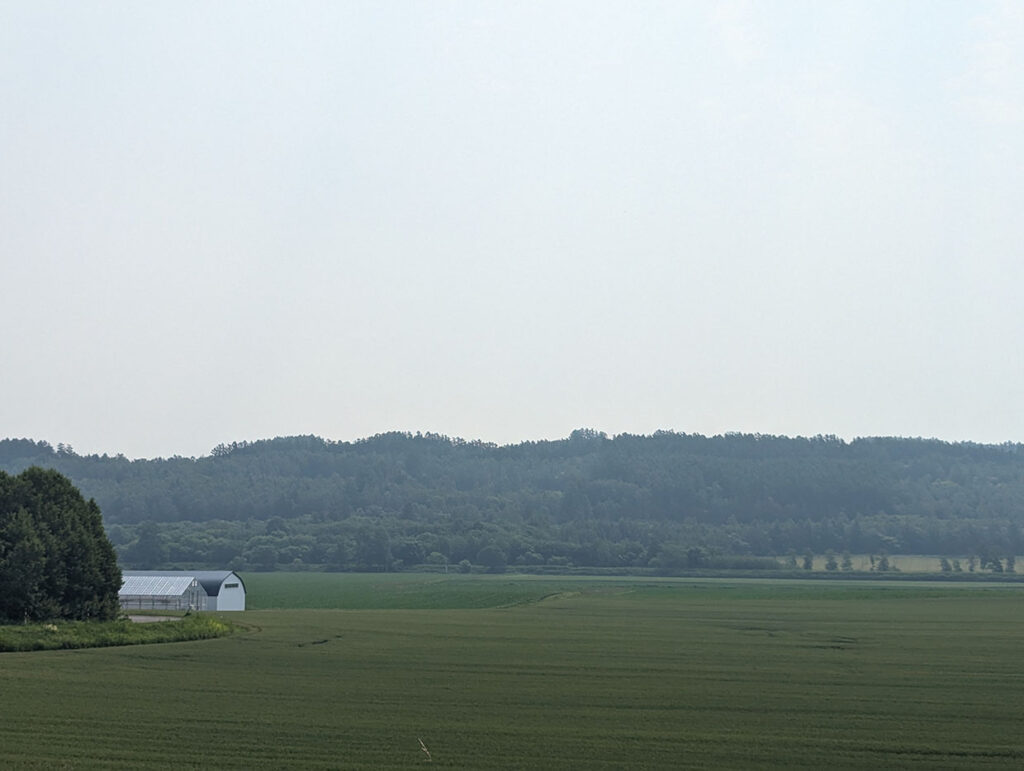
[[212, 580]]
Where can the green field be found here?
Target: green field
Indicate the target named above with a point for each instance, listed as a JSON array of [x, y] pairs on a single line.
[[501, 672]]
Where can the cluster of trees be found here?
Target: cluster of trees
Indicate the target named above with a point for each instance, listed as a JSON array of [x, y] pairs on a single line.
[[56, 561], [974, 562], [668, 500]]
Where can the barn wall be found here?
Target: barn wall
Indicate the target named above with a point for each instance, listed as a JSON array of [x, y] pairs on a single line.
[[232, 594]]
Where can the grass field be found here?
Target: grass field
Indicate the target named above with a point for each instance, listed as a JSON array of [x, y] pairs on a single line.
[[499, 672]]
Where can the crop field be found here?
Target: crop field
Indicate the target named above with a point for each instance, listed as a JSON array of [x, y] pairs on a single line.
[[353, 671]]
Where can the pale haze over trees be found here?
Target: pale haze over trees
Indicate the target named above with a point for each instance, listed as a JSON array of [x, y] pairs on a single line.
[[497, 220]]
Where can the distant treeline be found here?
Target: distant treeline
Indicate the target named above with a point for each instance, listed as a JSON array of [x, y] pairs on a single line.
[[668, 500]]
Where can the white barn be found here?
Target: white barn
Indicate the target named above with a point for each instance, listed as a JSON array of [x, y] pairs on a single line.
[[182, 590]]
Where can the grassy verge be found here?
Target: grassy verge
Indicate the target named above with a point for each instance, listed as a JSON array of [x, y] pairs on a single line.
[[100, 634]]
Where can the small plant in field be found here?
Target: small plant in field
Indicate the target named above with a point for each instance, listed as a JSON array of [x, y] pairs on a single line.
[[425, 750], [50, 627]]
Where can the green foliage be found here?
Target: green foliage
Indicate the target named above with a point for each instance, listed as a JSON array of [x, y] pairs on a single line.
[[55, 559], [102, 634], [391, 501], [492, 558], [149, 550]]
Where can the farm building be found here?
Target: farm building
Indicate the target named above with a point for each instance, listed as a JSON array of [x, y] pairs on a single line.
[[182, 590]]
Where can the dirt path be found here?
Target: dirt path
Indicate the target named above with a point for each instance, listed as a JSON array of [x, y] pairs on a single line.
[[149, 619]]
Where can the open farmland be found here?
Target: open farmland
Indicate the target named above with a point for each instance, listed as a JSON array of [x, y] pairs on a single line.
[[499, 672]]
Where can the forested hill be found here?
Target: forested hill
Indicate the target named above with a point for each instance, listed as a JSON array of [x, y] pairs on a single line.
[[587, 500]]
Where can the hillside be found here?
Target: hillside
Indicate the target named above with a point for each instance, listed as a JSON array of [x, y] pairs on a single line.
[[666, 500]]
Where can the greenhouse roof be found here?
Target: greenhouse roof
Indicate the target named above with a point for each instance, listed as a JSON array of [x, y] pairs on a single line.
[[156, 585]]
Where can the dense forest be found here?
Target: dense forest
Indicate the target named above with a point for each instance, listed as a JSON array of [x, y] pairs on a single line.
[[665, 501]]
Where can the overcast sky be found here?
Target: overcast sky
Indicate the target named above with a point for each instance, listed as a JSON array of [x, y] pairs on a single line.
[[506, 220]]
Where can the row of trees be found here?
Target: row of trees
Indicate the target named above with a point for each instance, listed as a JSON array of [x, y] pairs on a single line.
[[363, 543], [55, 558], [588, 500]]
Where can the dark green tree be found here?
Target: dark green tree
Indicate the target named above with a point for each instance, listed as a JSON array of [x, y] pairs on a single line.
[[492, 558], [696, 557], [149, 550], [55, 558], [373, 547], [22, 563]]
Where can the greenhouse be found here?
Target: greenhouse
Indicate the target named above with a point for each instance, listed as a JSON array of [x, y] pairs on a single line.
[[182, 590]]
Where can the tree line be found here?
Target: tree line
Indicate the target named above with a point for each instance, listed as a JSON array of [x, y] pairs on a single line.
[[667, 500]]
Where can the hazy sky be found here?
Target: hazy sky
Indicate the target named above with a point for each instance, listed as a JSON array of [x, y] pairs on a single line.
[[506, 220]]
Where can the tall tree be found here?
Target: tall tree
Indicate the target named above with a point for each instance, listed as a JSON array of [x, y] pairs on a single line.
[[55, 558]]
